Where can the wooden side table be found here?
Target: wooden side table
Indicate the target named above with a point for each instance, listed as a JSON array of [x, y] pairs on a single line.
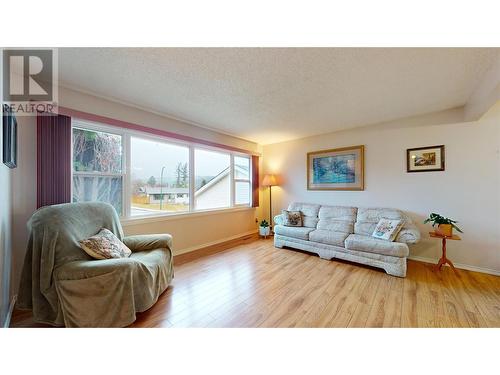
[[443, 259]]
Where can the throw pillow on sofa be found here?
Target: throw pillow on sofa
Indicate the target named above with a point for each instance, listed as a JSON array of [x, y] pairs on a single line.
[[292, 218], [105, 245], [387, 229]]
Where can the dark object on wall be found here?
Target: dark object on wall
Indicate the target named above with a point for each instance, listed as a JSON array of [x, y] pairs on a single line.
[[9, 138], [425, 159]]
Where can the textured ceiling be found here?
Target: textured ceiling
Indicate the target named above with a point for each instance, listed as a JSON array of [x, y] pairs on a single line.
[[270, 95]]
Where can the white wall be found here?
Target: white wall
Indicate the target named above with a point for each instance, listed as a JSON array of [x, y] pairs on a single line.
[[468, 191], [23, 194], [188, 232]]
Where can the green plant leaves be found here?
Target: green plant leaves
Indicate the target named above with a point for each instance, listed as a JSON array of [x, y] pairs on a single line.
[[437, 219]]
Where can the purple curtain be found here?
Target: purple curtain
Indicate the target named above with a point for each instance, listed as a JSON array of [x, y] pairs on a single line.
[[53, 159]]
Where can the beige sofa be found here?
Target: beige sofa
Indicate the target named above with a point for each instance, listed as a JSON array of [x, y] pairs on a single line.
[[345, 233]]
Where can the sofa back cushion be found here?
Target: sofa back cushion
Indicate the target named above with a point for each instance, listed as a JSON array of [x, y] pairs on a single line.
[[337, 218], [309, 213], [368, 218]]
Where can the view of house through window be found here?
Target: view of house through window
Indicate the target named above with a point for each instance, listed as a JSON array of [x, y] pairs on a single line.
[[159, 177], [97, 167], [212, 179]]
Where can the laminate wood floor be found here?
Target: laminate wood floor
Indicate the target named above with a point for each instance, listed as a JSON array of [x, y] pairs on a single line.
[[254, 284]]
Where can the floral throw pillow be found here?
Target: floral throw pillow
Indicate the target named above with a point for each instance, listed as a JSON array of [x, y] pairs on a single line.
[[387, 229], [292, 218], [105, 245]]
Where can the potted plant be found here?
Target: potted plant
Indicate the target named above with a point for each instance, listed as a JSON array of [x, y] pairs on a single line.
[[444, 225], [264, 229]]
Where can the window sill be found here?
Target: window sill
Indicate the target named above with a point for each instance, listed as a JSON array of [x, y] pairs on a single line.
[[138, 220]]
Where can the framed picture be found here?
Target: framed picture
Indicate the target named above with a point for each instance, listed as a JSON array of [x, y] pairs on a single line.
[[336, 169], [9, 139], [425, 159]]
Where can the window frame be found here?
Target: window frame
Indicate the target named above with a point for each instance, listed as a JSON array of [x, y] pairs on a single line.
[[249, 181], [97, 128], [126, 135]]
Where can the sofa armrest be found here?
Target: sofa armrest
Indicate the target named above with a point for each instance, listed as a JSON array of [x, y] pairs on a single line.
[[409, 234], [144, 242], [278, 220], [87, 269]]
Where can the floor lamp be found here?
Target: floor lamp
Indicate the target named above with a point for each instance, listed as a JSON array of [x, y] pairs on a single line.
[[270, 180]]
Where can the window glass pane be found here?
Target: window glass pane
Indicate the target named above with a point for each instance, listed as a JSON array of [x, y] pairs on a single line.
[[96, 151], [242, 192], [212, 179], [100, 189], [159, 176], [241, 168]]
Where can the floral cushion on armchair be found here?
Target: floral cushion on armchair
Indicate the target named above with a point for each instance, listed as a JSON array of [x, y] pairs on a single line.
[[105, 245]]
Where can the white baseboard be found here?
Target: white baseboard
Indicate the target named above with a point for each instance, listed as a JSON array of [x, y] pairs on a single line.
[[6, 324], [207, 244], [458, 265]]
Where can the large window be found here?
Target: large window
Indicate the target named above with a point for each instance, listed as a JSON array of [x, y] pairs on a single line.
[[142, 175]]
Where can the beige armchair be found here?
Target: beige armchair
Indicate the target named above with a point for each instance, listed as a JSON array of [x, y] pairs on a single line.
[[66, 287]]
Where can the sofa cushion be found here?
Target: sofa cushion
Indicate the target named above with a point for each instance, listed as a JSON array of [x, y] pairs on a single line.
[[328, 237], [372, 245], [367, 219], [337, 219], [295, 232], [309, 213], [338, 213], [105, 245], [292, 218], [387, 229], [364, 228], [336, 225]]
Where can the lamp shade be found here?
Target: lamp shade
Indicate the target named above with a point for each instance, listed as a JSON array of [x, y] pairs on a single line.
[[269, 180]]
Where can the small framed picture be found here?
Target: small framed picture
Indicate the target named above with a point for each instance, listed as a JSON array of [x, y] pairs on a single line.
[[425, 159], [336, 169]]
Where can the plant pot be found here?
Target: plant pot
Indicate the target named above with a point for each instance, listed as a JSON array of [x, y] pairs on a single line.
[[444, 230], [264, 231]]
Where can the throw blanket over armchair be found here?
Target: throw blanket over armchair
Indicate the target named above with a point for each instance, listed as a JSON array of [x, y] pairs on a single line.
[[65, 286]]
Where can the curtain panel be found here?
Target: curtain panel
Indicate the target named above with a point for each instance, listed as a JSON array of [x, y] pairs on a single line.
[[53, 159]]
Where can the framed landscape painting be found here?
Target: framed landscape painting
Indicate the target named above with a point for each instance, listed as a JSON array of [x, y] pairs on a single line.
[[336, 169], [425, 159]]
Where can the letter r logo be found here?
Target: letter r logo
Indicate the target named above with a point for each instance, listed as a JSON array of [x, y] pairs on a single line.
[[28, 75]]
